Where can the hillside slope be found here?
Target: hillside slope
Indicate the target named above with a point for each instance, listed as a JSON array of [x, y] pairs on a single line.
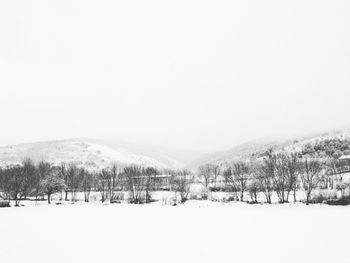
[[88, 153], [333, 144]]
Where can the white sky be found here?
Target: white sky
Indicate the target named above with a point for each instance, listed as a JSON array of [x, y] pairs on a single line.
[[203, 75]]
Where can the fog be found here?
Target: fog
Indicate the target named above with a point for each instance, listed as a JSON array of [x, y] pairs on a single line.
[[201, 75]]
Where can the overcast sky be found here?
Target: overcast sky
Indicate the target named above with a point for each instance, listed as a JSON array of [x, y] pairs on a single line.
[[203, 75]]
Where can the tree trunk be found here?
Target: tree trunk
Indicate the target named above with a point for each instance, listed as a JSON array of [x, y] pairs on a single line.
[[307, 198], [236, 196], [49, 198], [268, 198], [16, 200], [287, 196], [87, 195]]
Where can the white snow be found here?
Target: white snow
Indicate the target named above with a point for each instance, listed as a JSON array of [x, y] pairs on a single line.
[[199, 231]]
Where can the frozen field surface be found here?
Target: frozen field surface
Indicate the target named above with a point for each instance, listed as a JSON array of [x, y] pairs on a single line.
[[196, 232]]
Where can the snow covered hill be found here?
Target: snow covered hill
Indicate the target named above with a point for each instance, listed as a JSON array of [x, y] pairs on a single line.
[[240, 152], [97, 154], [255, 149], [89, 153]]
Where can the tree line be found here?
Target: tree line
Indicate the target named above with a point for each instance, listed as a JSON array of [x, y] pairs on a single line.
[[39, 181], [280, 173]]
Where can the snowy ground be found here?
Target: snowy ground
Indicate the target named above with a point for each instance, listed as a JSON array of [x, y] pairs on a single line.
[[199, 231]]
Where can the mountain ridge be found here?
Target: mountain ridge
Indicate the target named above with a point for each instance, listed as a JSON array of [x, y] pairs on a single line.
[[254, 148], [97, 153], [85, 152]]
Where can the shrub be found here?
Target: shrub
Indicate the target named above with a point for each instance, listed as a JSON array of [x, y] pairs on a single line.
[[340, 201], [205, 194], [230, 199], [216, 199], [318, 199], [194, 197], [252, 202], [323, 197], [117, 198], [219, 189], [4, 203]]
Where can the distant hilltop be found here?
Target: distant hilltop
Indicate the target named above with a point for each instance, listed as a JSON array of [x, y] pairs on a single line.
[[335, 144], [98, 154], [87, 153]]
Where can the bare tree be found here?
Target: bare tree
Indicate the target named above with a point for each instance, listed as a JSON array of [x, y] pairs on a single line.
[[63, 173], [216, 172], [205, 173], [29, 173], [310, 175], [43, 169], [230, 182], [334, 167], [87, 183], [135, 183], [264, 177], [278, 166], [180, 183], [51, 184], [103, 178], [150, 173], [253, 188], [293, 170], [18, 180], [5, 183], [74, 181], [240, 172], [113, 180]]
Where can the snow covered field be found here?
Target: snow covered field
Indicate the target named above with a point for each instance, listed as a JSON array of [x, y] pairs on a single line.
[[198, 231]]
